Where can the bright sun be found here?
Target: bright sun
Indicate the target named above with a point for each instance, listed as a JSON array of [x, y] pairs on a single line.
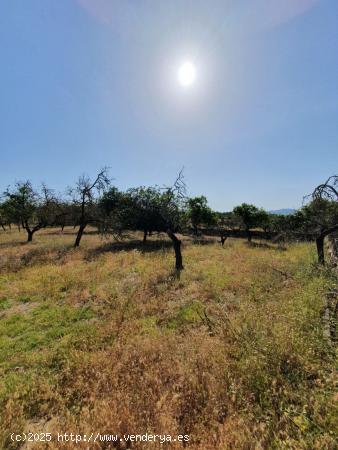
[[186, 74]]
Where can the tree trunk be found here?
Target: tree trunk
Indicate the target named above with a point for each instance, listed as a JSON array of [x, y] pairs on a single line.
[[177, 248], [248, 232], [145, 233], [223, 239], [320, 249], [62, 227], [79, 235], [320, 243], [3, 227], [30, 235]]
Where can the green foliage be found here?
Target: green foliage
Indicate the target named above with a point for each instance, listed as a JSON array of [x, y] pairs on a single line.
[[143, 208], [22, 204], [318, 216], [251, 216], [228, 220], [199, 213], [147, 207], [29, 208], [312, 219], [117, 211]]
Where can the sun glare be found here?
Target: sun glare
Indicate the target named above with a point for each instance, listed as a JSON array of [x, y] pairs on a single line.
[[186, 74]]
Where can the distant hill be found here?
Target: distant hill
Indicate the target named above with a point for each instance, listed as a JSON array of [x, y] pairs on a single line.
[[283, 212]]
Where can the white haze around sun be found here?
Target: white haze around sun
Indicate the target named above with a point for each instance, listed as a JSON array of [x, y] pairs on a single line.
[[187, 74]]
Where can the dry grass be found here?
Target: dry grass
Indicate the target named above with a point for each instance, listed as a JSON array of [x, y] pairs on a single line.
[[105, 338]]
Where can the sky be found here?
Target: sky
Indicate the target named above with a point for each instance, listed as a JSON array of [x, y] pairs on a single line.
[[92, 83]]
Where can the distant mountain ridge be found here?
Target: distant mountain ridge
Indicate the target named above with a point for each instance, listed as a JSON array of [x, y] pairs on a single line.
[[283, 212]]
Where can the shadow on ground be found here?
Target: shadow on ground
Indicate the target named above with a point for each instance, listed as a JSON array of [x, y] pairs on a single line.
[[265, 246], [143, 247], [122, 246]]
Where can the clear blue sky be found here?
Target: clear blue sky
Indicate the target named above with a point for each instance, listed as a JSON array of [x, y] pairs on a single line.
[[90, 83]]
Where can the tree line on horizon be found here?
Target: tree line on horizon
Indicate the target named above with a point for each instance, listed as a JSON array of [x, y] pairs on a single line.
[[97, 202]]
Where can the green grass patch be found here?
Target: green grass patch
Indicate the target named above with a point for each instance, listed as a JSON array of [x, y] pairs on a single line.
[[41, 328], [186, 315], [4, 303]]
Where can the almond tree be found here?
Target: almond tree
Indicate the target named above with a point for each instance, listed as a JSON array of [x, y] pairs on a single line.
[[319, 218], [147, 209], [3, 217], [327, 190], [198, 212], [322, 212], [31, 209], [84, 197], [172, 206], [251, 217]]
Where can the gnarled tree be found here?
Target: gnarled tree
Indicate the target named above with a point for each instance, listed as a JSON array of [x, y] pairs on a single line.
[[146, 209], [84, 198], [323, 212], [31, 209], [327, 190], [172, 205]]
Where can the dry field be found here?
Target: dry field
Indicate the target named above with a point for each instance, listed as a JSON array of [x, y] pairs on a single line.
[[106, 339]]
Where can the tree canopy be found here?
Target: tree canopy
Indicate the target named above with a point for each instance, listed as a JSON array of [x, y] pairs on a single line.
[[251, 217]]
